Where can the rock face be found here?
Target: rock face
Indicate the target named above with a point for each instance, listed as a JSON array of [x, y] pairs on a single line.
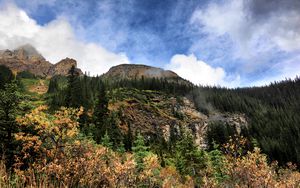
[[157, 114], [27, 58], [63, 67], [135, 71]]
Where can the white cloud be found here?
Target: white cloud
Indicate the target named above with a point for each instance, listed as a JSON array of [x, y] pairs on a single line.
[[54, 41], [289, 68], [199, 72], [250, 36], [251, 33]]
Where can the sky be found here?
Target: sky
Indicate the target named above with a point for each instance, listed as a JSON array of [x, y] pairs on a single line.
[[230, 43]]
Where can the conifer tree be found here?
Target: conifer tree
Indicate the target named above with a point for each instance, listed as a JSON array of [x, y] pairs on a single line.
[[121, 148], [105, 141], [113, 130], [71, 90], [6, 76], [189, 160], [101, 114], [128, 138], [9, 102], [217, 162], [140, 151]]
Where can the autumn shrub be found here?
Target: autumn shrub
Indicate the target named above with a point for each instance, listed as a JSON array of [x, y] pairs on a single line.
[[55, 154], [252, 169]]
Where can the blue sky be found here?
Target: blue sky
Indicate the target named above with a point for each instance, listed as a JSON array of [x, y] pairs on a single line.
[[231, 43]]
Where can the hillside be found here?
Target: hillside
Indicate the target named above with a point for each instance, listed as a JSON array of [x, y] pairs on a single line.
[[156, 114], [152, 131]]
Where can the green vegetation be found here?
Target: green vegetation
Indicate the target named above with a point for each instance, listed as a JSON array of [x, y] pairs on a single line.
[[9, 106], [93, 143], [273, 113], [5, 76]]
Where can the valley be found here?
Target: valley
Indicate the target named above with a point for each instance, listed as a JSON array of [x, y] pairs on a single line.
[[148, 123]]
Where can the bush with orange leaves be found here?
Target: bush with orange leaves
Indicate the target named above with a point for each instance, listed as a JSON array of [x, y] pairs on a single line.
[[55, 155], [251, 169], [55, 151]]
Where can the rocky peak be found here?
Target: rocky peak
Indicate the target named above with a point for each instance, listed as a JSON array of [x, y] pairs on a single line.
[[28, 52], [131, 71], [27, 58], [5, 54]]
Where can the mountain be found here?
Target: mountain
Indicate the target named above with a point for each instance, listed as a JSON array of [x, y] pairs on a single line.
[[138, 71], [27, 58]]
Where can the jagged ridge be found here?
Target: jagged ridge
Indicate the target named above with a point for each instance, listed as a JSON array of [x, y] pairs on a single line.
[[27, 58]]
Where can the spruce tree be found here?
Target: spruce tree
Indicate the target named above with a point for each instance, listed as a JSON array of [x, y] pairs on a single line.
[[6, 76], [71, 89], [189, 160], [140, 151], [105, 141], [113, 130], [128, 138], [217, 162], [121, 148], [101, 114], [9, 103]]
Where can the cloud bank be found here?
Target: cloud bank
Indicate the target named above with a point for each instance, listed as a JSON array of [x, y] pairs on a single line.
[[55, 40], [241, 42], [253, 24], [250, 36], [199, 72]]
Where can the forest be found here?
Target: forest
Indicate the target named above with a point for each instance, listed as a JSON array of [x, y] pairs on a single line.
[[69, 137]]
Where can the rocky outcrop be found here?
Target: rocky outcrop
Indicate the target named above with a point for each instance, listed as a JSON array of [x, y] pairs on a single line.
[[27, 58], [156, 114], [63, 67], [136, 71]]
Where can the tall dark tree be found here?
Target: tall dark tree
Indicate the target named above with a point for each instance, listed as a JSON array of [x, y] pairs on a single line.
[[140, 151], [6, 76], [189, 160], [71, 89], [9, 102], [114, 131], [128, 140], [101, 114], [219, 133]]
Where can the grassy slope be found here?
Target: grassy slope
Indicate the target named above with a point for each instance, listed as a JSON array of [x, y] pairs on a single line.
[[34, 90]]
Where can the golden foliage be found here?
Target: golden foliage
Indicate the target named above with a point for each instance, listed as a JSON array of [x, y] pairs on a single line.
[[54, 155], [253, 170]]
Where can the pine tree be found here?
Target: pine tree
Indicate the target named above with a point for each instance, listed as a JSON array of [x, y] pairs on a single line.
[[140, 151], [217, 162], [121, 148], [105, 141], [128, 138], [6, 76], [113, 130], [71, 90], [101, 114], [189, 160], [9, 102]]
